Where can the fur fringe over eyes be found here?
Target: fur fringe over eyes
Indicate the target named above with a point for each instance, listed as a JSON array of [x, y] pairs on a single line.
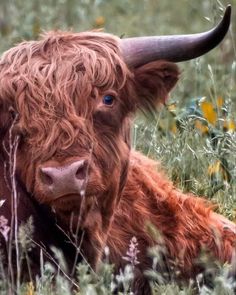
[[58, 78]]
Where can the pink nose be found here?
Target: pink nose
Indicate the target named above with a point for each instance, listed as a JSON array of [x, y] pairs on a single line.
[[64, 180]]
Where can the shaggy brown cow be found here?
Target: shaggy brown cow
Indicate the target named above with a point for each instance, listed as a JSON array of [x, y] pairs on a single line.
[[66, 102]]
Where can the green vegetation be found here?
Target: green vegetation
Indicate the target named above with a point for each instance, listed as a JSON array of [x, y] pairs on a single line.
[[194, 136]]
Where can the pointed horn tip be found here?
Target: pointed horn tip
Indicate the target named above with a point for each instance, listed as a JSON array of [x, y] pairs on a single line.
[[228, 9], [227, 14], [224, 24]]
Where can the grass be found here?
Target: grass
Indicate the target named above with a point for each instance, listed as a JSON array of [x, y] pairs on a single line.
[[196, 144]]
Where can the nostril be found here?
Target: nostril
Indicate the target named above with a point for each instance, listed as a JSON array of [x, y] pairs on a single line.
[[82, 171], [45, 177]]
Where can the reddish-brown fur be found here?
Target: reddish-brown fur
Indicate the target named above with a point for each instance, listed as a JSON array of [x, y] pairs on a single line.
[[51, 105], [42, 237]]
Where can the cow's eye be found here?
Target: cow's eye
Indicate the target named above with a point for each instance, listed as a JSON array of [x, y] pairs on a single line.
[[108, 99]]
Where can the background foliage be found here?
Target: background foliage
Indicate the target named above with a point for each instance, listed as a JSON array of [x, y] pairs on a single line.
[[194, 135]]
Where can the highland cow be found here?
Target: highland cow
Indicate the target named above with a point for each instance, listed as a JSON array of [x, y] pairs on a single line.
[[66, 105]]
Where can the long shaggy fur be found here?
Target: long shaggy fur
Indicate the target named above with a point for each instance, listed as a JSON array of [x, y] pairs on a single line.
[[51, 101], [186, 222], [59, 78]]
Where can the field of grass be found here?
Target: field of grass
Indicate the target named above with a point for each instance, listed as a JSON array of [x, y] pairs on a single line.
[[194, 135]]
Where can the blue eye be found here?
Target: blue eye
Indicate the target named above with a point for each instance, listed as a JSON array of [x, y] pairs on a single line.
[[108, 100]]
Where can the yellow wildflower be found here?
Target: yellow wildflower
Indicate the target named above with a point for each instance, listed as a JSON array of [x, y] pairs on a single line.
[[208, 112]]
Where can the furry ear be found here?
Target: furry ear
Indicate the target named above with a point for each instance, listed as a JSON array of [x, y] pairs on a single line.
[[154, 82]]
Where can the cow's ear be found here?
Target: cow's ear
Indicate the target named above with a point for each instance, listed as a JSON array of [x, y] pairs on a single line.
[[154, 82]]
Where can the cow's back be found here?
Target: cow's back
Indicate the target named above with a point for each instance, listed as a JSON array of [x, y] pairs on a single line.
[[186, 223]]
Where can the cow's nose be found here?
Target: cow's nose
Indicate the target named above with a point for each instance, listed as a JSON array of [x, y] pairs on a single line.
[[63, 180]]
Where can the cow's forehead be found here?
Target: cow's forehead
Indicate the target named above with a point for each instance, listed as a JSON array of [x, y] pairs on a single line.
[[62, 69], [56, 79], [59, 60]]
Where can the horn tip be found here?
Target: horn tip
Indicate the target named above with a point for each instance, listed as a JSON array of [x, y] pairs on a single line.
[[228, 7], [227, 14]]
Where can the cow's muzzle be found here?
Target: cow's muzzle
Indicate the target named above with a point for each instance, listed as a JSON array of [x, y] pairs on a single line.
[[64, 180]]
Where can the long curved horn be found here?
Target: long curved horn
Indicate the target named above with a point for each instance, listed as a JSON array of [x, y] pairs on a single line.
[[141, 50]]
